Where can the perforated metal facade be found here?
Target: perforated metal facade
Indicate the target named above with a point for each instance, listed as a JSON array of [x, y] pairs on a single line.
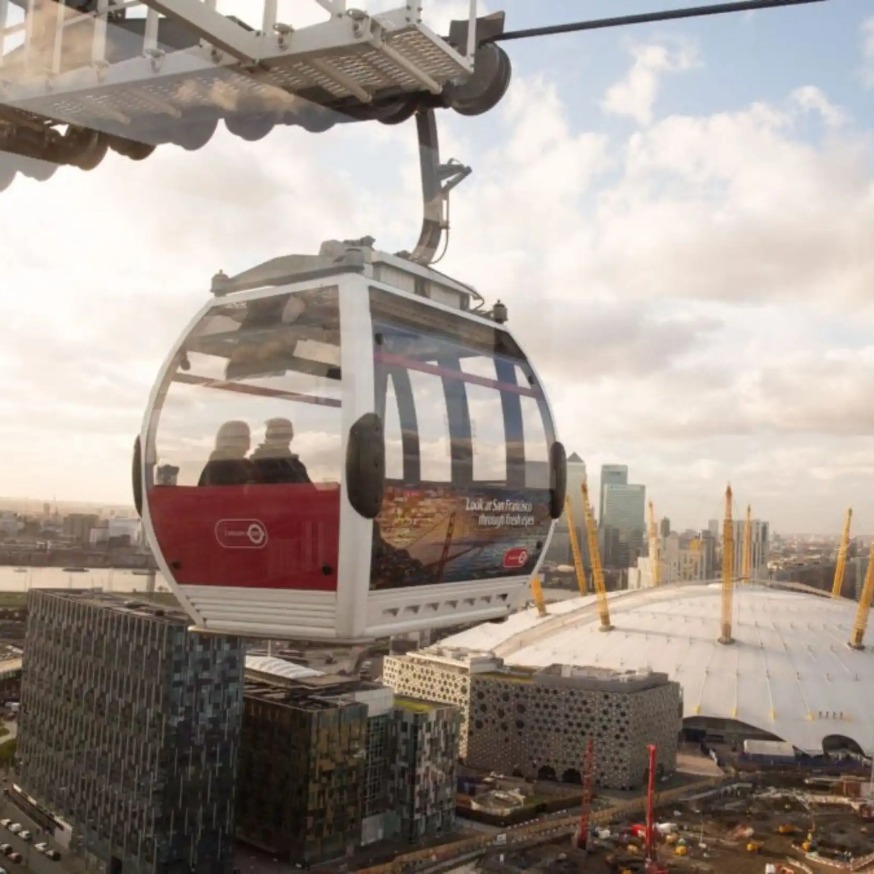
[[537, 725], [130, 730], [535, 722]]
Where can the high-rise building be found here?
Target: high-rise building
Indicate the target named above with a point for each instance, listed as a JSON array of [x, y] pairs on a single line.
[[78, 525], [714, 526], [622, 525], [665, 527], [560, 550], [129, 732], [611, 475], [709, 541], [759, 548]]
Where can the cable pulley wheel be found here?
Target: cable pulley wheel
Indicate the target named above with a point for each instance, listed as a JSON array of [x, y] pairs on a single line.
[[485, 88]]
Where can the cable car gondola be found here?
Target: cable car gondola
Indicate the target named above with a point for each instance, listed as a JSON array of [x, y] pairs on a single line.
[[338, 447]]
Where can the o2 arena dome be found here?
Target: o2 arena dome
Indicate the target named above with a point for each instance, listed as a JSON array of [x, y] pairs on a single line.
[[789, 671]]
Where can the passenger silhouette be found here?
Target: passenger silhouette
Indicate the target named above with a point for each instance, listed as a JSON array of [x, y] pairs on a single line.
[[228, 465], [273, 461]]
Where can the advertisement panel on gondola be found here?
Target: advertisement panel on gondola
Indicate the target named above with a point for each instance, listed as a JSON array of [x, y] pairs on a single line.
[[444, 534]]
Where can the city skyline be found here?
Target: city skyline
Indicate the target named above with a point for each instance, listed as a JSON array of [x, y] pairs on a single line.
[[694, 235]]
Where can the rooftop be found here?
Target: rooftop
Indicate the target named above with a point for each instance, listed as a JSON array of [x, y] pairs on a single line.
[[117, 602], [415, 705], [789, 671]]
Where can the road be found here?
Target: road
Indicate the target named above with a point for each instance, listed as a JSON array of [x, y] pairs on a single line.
[[34, 861]]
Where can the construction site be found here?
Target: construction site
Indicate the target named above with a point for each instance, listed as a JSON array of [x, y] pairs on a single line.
[[774, 770]]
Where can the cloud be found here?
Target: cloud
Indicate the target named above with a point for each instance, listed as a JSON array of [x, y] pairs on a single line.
[[696, 294], [738, 207], [812, 99], [635, 95]]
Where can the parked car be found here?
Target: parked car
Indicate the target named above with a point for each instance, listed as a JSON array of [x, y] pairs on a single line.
[[54, 855], [25, 835], [5, 822], [16, 827], [42, 846], [16, 857], [6, 849]]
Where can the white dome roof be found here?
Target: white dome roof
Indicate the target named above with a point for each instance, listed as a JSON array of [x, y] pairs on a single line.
[[789, 672]]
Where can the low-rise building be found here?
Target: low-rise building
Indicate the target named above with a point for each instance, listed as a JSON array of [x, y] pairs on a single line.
[[534, 722], [331, 763]]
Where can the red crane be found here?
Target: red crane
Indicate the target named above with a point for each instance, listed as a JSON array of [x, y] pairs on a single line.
[[586, 805], [651, 866]]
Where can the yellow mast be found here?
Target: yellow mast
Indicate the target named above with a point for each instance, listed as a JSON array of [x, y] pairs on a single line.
[[655, 557], [842, 557], [537, 592], [727, 569], [575, 545], [595, 558], [861, 623], [748, 538]]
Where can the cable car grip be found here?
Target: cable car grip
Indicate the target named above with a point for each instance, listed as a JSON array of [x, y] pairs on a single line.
[[365, 465]]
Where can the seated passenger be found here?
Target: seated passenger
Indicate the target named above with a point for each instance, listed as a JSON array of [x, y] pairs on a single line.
[[273, 461], [228, 465]]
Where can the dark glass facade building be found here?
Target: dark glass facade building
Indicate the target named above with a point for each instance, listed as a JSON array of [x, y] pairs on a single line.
[[330, 764], [130, 732], [302, 764]]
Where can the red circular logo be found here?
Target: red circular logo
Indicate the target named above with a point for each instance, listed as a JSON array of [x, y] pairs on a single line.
[[515, 558]]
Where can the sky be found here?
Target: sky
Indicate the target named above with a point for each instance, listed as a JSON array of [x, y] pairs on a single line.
[[679, 218]]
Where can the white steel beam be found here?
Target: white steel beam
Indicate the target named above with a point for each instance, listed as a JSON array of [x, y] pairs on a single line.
[[212, 27], [353, 55]]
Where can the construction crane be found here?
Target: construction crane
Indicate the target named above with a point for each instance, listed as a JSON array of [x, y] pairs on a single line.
[[842, 556], [575, 546], [861, 623], [595, 558], [727, 569], [748, 537], [588, 780], [655, 556], [651, 859]]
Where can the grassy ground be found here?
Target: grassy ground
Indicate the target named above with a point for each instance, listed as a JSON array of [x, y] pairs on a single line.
[[13, 599]]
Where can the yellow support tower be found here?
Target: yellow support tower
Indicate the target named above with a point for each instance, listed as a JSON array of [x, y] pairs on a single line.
[[748, 542], [727, 569], [655, 553], [537, 592], [575, 546], [842, 557], [861, 623], [595, 558]]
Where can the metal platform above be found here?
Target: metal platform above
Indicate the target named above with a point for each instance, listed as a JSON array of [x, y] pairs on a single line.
[[120, 61]]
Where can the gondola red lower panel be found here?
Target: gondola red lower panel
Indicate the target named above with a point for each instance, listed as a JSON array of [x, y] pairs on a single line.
[[265, 537]]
